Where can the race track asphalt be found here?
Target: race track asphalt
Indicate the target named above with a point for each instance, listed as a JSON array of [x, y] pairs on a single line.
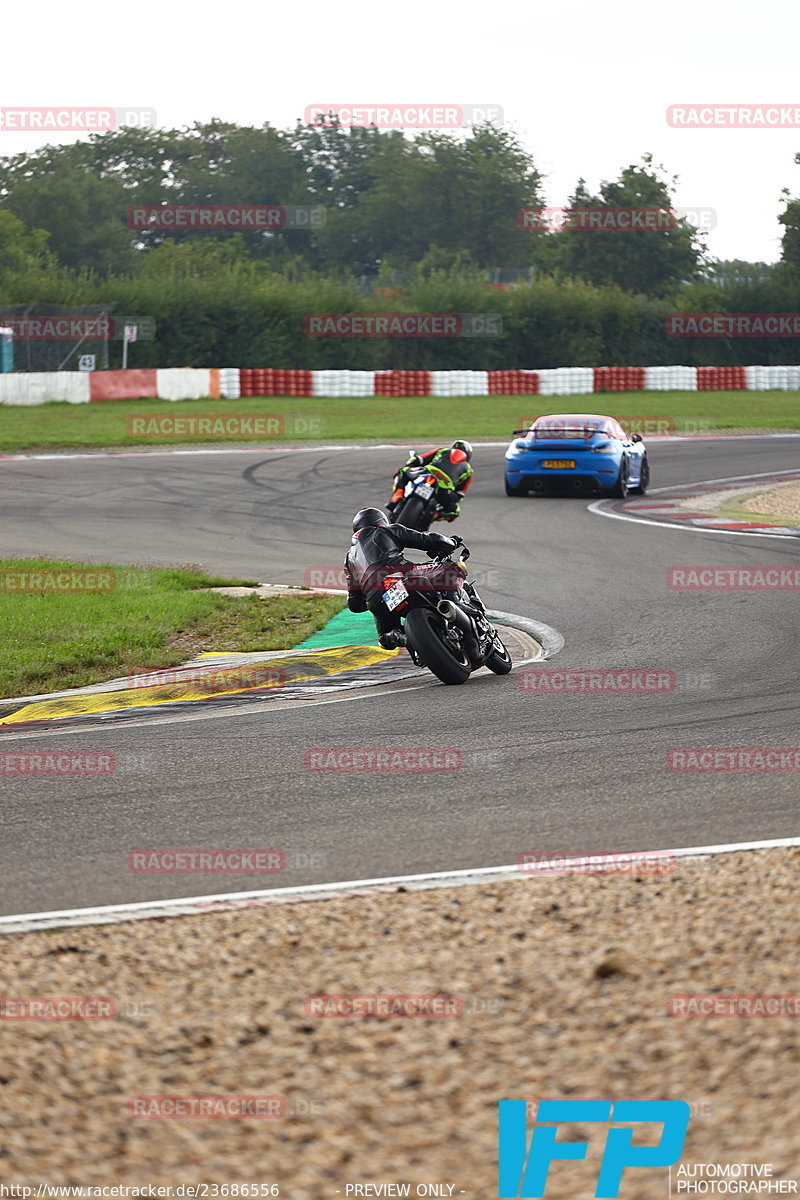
[[562, 773]]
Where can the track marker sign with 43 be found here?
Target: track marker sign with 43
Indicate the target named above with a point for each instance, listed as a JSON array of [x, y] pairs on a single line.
[[523, 1169]]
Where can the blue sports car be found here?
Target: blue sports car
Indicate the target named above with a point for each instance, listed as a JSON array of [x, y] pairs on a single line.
[[576, 451]]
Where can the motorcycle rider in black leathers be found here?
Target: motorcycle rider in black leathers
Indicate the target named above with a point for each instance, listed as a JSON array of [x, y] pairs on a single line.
[[377, 547]]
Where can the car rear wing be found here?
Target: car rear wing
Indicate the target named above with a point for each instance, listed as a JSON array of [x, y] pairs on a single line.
[[561, 433]]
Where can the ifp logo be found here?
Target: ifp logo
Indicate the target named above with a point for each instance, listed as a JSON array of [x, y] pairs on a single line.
[[523, 1170]]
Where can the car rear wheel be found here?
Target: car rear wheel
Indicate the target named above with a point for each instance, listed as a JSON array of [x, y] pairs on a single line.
[[644, 478], [620, 488]]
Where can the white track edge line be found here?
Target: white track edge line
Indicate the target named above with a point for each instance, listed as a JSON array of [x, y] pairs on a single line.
[[725, 479], [787, 537], [230, 901], [548, 638], [601, 512]]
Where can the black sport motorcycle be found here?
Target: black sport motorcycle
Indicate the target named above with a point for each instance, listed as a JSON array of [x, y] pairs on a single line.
[[420, 503], [444, 620]]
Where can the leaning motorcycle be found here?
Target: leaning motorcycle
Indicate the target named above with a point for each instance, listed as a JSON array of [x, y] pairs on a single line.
[[445, 621], [420, 502]]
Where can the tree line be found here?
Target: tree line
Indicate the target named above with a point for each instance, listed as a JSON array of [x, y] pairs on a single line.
[[430, 224]]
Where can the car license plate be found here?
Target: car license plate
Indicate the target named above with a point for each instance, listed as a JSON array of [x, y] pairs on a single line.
[[395, 596], [562, 463]]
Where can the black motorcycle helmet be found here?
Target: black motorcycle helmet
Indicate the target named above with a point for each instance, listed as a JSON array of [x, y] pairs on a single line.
[[369, 516], [460, 444]]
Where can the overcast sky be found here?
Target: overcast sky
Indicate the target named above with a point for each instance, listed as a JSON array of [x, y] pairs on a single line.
[[585, 85]]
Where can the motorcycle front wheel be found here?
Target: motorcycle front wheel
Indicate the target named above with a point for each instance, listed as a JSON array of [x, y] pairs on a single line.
[[499, 660], [425, 629]]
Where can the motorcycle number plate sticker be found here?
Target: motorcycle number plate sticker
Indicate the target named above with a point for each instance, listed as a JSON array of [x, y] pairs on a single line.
[[425, 490], [559, 463], [395, 596]]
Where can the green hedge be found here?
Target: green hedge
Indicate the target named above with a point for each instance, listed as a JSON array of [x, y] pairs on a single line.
[[247, 315]]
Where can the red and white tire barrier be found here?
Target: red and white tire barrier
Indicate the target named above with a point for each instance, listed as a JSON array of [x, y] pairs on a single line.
[[82, 387], [229, 383], [556, 381]]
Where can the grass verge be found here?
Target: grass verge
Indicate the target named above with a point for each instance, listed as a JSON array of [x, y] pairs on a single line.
[[151, 618], [60, 426]]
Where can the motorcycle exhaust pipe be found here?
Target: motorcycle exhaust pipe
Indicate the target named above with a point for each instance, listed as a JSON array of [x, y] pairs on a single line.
[[463, 622], [455, 614]]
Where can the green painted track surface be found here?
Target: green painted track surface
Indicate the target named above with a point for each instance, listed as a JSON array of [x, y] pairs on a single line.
[[345, 629]]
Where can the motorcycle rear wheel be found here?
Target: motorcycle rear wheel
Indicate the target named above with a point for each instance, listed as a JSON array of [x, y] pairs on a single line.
[[413, 514], [425, 630]]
